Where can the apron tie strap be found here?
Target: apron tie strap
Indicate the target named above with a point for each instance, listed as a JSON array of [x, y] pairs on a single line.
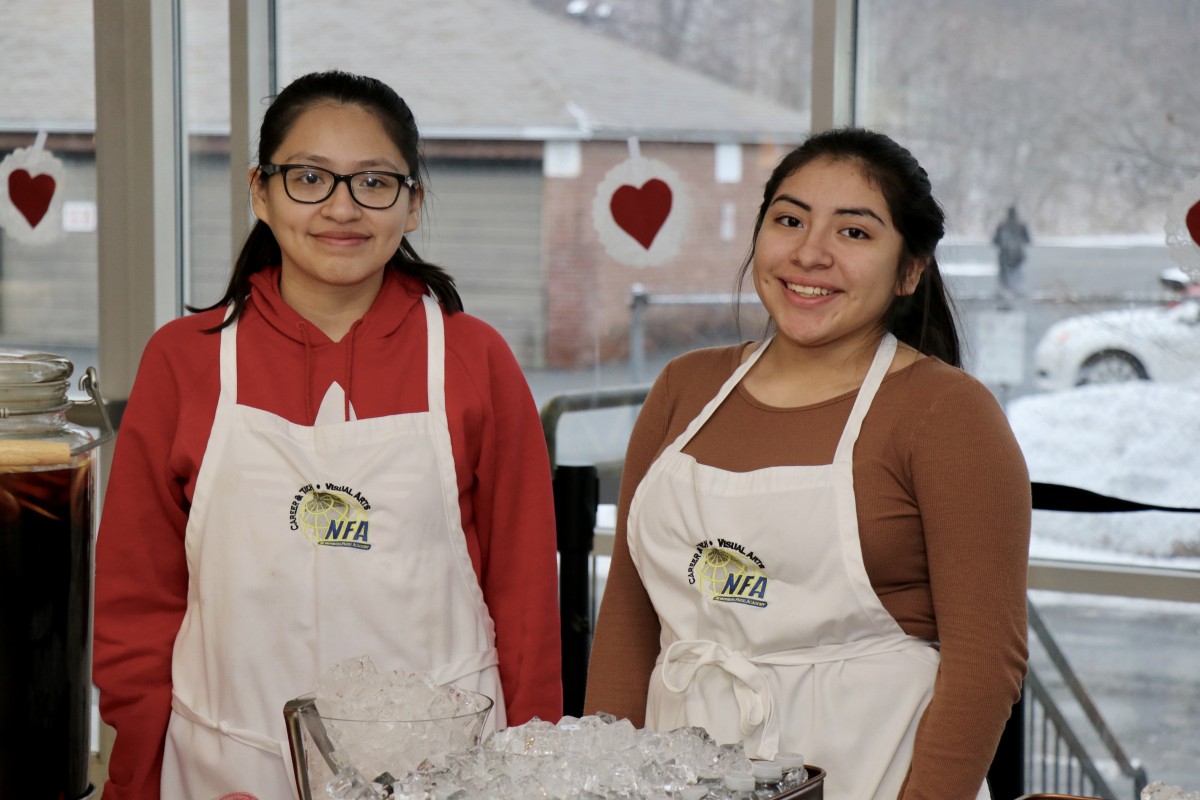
[[756, 703], [241, 735], [683, 659]]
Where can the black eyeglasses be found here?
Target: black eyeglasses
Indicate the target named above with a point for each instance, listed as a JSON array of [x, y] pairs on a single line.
[[370, 189]]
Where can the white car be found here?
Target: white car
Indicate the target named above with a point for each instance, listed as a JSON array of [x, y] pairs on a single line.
[[1161, 344]]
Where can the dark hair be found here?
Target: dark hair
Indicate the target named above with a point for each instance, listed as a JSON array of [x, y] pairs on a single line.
[[924, 319], [261, 248]]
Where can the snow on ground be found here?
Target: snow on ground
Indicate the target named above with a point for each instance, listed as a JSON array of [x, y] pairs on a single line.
[[1137, 441]]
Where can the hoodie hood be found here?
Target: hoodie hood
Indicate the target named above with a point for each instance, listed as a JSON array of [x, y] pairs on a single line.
[[398, 296]]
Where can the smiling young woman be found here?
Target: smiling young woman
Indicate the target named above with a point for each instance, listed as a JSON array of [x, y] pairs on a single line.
[[332, 461], [828, 263], [334, 251], [822, 537]]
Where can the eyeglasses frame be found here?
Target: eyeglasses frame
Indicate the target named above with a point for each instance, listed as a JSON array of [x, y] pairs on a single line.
[[282, 169]]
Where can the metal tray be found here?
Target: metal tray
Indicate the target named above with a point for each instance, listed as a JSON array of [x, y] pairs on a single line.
[[811, 789]]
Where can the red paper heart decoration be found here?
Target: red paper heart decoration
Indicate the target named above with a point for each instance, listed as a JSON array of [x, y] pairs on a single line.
[[1192, 220], [642, 212], [31, 195]]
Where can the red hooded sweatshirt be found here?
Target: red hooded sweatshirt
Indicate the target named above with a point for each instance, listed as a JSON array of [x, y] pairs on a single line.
[[285, 366]]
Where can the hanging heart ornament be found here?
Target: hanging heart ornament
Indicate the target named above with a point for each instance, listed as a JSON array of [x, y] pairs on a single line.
[[31, 190], [1192, 222], [640, 212], [1183, 229], [31, 195]]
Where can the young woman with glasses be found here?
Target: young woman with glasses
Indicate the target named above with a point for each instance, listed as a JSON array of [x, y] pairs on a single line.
[[822, 537], [334, 460]]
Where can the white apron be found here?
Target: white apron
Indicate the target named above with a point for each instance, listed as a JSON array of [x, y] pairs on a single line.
[[771, 632], [306, 546]]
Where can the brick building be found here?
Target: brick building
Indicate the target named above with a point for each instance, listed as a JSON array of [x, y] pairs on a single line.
[[525, 116]]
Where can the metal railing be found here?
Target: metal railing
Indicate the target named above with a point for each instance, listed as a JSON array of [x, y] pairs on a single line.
[[576, 498], [585, 400], [640, 300], [1056, 758]]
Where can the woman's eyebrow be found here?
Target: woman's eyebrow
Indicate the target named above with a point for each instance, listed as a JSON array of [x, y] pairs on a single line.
[[321, 161], [852, 212]]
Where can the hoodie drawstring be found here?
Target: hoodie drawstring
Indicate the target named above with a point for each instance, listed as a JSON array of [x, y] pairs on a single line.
[[350, 363], [308, 370], [308, 374]]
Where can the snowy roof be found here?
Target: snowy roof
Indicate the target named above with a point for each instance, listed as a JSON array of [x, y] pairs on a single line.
[[469, 68]]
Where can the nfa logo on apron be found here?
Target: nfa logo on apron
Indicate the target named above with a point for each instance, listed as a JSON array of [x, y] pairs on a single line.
[[331, 515], [726, 573]]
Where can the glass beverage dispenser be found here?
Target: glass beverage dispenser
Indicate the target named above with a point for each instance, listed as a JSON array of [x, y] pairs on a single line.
[[47, 487]]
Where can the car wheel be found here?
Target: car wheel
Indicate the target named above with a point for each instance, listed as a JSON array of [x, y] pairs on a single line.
[[1111, 366]]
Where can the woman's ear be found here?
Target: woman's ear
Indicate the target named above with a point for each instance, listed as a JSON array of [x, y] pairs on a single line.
[[416, 198], [258, 193], [907, 284]]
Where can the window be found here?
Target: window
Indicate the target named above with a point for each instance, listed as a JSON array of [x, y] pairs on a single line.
[[549, 128], [211, 177], [1081, 119], [994, 101], [48, 214]]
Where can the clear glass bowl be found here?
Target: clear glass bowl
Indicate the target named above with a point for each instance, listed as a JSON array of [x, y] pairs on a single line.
[[379, 749]]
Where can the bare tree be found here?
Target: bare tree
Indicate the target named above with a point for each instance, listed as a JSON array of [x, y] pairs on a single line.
[[1085, 112], [759, 46]]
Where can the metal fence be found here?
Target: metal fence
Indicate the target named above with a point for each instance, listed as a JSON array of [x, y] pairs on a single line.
[[1056, 757]]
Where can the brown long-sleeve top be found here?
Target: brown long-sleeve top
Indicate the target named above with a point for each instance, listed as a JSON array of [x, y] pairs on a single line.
[[943, 501]]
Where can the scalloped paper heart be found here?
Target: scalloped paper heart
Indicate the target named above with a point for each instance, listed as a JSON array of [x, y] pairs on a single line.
[[31, 195], [642, 212]]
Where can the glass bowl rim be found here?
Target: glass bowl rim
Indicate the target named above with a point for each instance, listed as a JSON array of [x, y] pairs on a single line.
[[487, 704]]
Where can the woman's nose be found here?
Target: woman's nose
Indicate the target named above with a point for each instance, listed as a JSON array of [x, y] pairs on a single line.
[[341, 204], [811, 250]]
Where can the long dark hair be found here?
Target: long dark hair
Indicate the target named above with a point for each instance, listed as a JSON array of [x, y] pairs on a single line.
[[261, 249], [924, 319]]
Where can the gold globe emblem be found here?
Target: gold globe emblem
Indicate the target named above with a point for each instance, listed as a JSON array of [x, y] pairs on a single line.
[[717, 567], [320, 511]]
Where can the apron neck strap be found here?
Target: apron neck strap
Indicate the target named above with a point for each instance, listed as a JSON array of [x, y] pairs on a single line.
[[436, 355], [698, 422], [866, 394], [229, 358]]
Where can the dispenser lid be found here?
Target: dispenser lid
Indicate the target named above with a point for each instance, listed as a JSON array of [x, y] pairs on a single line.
[[33, 383], [21, 366]]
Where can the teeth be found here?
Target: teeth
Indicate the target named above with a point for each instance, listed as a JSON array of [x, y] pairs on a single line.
[[808, 291]]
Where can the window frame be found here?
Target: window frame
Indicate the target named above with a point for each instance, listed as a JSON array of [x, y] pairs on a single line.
[[141, 176]]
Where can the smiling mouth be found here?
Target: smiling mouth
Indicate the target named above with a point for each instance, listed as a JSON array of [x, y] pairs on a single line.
[[807, 291], [340, 238]]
